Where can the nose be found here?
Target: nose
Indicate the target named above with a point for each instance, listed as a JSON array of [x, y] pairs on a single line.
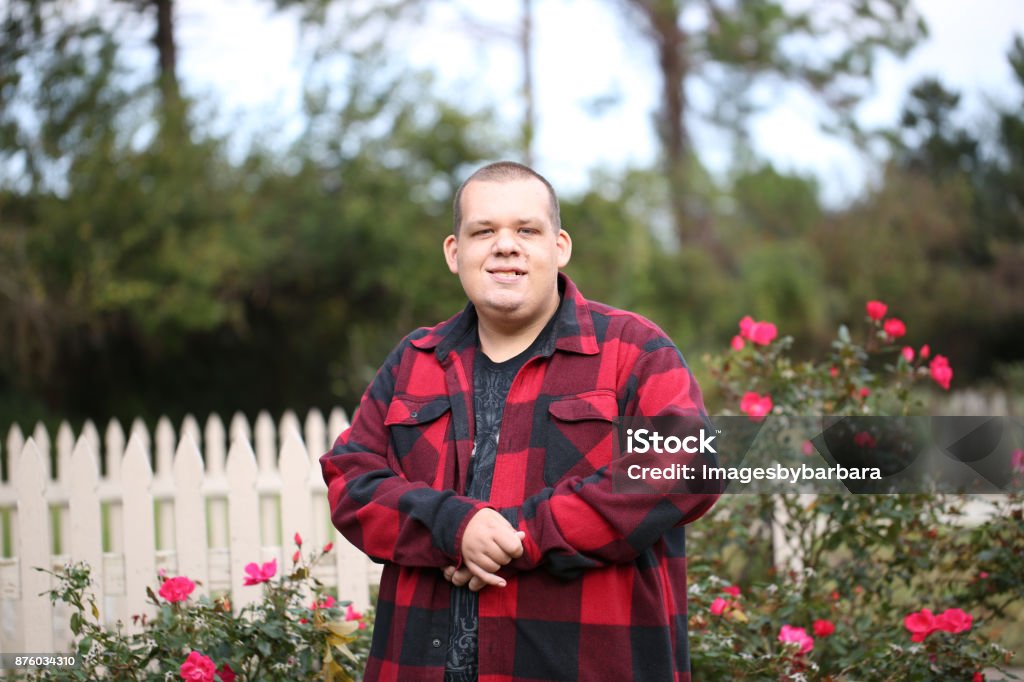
[[506, 244]]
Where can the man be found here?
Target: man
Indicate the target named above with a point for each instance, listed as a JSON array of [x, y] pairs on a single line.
[[477, 469]]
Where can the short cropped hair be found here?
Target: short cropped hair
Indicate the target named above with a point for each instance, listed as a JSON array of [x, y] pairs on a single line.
[[505, 171]]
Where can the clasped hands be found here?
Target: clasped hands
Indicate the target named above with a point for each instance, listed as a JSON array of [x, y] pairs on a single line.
[[488, 543]]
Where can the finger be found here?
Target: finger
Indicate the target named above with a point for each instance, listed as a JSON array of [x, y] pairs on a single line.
[[449, 571], [489, 561], [487, 577], [475, 584], [511, 545], [461, 577]]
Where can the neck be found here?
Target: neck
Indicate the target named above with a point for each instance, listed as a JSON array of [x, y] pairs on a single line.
[[502, 340]]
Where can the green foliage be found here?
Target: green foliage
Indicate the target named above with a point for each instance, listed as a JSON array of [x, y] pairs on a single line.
[[863, 563], [296, 631]]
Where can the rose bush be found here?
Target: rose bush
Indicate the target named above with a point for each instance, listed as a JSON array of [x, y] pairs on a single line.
[[869, 587], [283, 636]]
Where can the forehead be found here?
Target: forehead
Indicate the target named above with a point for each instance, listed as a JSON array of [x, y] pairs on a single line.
[[520, 199]]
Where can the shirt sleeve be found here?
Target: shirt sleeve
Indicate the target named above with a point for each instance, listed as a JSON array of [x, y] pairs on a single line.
[[583, 523], [377, 509]]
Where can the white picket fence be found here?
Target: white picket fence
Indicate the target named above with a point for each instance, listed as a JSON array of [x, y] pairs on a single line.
[[195, 503]]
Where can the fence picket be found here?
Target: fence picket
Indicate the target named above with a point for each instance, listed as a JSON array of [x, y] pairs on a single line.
[[190, 425], [163, 484], [239, 428], [42, 441], [216, 450], [34, 550], [190, 515], [243, 510], [139, 534], [15, 442], [91, 434], [60, 488], [115, 441], [86, 532], [269, 481], [296, 511]]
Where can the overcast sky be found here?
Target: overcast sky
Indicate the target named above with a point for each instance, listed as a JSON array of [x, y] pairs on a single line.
[[248, 56]]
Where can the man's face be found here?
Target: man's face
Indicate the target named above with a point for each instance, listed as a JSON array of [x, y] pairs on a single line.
[[507, 251]]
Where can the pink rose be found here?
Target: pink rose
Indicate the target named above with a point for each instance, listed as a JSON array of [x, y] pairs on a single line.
[[755, 405], [325, 603], [789, 634], [328, 547], [177, 589], [352, 614], [920, 624], [226, 673], [823, 628], [298, 540], [198, 668], [894, 328], [807, 448], [1017, 461], [876, 309], [833, 371], [732, 589], [940, 370], [295, 557], [925, 351], [908, 353], [864, 392], [718, 606], [761, 333], [864, 440], [260, 574], [738, 343], [978, 677], [954, 620]]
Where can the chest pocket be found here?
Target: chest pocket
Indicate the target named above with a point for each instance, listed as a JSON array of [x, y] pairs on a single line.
[[421, 433], [579, 434]]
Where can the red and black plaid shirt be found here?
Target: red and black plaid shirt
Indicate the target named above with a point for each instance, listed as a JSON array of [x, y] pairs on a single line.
[[600, 592]]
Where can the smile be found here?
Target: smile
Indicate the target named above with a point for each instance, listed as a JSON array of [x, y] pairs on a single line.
[[507, 275]]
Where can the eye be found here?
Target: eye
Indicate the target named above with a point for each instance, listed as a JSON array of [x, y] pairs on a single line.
[[528, 230], [482, 232]]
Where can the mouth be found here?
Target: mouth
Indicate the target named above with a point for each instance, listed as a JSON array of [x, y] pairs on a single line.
[[507, 275]]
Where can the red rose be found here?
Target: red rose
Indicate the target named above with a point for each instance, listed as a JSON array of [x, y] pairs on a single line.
[[920, 624], [876, 309], [177, 589], [954, 620], [755, 405], [260, 573], [940, 370], [823, 628], [894, 328], [798, 636], [198, 668]]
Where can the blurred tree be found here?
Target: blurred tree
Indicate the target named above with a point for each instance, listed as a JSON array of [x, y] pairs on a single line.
[[738, 51], [929, 139]]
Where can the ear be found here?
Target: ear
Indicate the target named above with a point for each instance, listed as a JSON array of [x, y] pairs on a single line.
[[564, 243], [451, 250]]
